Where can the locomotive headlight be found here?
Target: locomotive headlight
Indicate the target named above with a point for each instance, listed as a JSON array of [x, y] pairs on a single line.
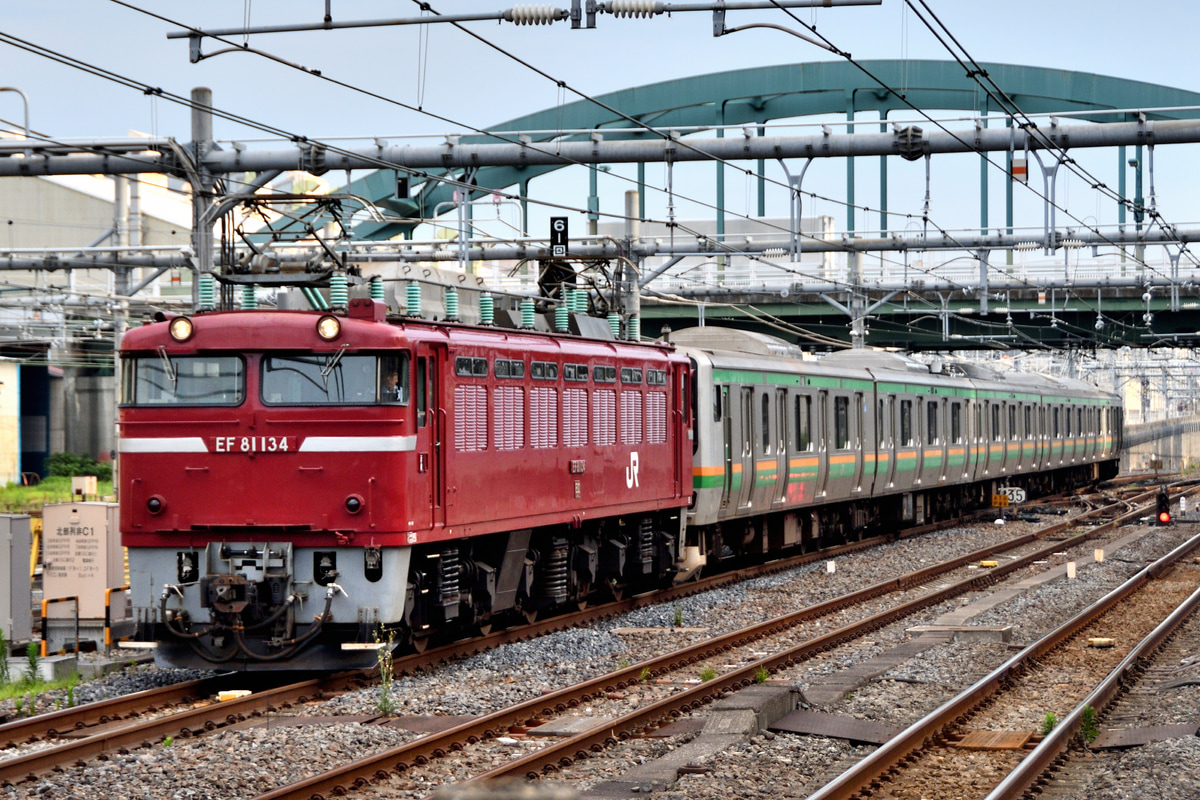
[[328, 328], [181, 329], [156, 504], [354, 504]]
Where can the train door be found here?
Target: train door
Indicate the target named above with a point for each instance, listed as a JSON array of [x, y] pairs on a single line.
[[746, 465], [781, 447], [431, 419], [886, 450]]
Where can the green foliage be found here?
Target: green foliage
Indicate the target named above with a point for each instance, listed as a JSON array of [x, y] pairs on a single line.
[[68, 465], [1088, 728], [1048, 723], [644, 675], [5, 677], [677, 619], [20, 703], [72, 682], [386, 639], [168, 741], [33, 658], [24, 499], [707, 674], [761, 675]]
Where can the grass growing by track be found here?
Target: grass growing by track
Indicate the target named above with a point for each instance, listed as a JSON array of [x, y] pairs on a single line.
[[55, 489]]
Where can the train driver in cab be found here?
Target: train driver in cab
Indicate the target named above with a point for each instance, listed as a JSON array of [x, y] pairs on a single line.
[[393, 390]]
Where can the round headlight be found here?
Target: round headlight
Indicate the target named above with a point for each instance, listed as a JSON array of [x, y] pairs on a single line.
[[156, 504], [354, 504], [181, 329], [328, 328]]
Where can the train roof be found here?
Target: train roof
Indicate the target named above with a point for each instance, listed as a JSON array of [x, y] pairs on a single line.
[[734, 340]]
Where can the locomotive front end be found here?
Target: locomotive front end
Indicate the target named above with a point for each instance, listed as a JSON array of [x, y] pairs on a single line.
[[264, 489]]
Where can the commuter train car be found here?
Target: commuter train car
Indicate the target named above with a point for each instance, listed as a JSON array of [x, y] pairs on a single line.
[[794, 453], [291, 482], [296, 487]]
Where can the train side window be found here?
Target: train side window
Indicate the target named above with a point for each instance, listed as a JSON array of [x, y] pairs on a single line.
[[956, 423], [1012, 422], [543, 371], [507, 368], [932, 430], [1055, 421], [880, 421], [1028, 421], [996, 422], [422, 396], [803, 428], [468, 367], [906, 423], [841, 422], [766, 423]]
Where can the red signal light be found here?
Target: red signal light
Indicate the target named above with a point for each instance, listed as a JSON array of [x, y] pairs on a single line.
[[1164, 518]]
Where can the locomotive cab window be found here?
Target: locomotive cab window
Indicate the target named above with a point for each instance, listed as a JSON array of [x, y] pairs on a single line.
[[334, 379], [160, 379]]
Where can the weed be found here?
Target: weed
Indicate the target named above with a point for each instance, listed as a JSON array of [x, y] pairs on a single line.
[[707, 674], [4, 648], [32, 704], [1087, 725], [623, 663], [20, 701], [72, 682], [386, 639], [761, 675], [33, 657], [644, 675], [677, 619], [168, 741], [1048, 723]]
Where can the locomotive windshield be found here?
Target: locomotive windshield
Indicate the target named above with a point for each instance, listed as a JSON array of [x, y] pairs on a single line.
[[318, 380], [182, 380]]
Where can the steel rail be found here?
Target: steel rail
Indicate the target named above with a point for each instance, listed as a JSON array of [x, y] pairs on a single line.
[[74, 719], [889, 756], [419, 752], [209, 717], [1052, 748]]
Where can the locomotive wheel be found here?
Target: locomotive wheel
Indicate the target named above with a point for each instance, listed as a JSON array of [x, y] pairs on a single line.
[[421, 645]]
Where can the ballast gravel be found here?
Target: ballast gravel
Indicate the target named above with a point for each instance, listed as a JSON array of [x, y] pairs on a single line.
[[246, 762]]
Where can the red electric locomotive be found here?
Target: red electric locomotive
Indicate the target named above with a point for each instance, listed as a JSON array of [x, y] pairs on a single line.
[[297, 486]]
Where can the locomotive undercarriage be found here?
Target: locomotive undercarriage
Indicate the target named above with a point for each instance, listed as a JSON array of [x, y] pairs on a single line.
[[460, 587]]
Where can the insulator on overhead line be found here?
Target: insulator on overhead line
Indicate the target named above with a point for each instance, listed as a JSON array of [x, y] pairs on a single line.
[[532, 15], [633, 8], [774, 252]]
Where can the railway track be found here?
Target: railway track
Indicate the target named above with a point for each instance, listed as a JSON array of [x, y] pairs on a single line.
[[110, 728], [554, 756], [973, 738]]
